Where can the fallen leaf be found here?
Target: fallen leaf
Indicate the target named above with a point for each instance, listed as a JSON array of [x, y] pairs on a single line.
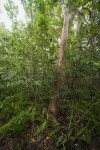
[[47, 138], [33, 140]]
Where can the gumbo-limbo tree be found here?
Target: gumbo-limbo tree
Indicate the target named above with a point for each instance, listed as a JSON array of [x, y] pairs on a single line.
[[70, 10]]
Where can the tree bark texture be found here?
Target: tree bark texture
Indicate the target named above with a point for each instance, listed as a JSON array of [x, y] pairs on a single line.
[[57, 85]]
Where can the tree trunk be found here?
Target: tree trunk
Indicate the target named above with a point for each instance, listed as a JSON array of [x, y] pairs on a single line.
[[57, 85], [79, 43]]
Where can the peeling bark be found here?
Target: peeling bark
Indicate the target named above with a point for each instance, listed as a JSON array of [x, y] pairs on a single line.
[[57, 85]]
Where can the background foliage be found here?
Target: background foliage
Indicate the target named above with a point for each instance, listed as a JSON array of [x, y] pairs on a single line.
[[28, 70]]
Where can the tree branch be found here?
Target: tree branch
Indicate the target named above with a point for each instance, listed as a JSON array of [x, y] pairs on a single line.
[[88, 11], [77, 10]]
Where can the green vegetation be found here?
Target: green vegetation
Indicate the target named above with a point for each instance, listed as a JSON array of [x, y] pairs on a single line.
[[28, 70]]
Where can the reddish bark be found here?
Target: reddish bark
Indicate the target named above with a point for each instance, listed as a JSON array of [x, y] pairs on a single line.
[[57, 85]]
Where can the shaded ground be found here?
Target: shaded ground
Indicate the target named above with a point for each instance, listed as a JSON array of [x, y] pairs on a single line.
[[52, 138]]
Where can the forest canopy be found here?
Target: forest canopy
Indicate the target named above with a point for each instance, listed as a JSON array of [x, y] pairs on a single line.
[[49, 76]]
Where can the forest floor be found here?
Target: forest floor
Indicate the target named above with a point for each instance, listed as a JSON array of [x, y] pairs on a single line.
[[51, 135]]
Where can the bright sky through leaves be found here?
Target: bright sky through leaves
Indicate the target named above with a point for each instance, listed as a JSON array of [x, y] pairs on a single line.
[[3, 14]]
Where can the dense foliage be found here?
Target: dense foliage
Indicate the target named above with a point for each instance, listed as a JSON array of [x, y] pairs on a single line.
[[28, 69]]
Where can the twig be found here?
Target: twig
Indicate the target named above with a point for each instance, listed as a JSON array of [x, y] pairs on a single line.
[[70, 123], [90, 109], [82, 130]]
